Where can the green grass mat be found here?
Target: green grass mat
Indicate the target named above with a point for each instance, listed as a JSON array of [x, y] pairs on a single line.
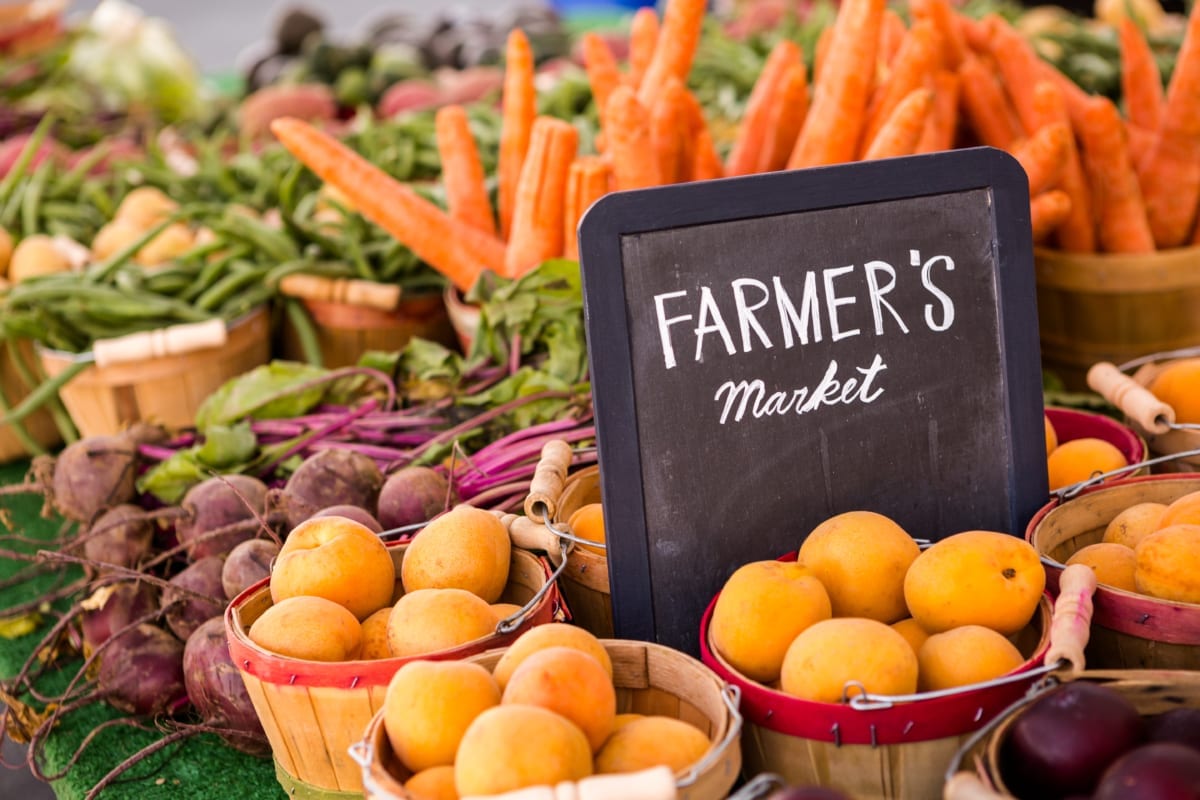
[[199, 768]]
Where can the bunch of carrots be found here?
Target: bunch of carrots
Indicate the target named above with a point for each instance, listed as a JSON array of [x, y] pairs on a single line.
[[879, 89]]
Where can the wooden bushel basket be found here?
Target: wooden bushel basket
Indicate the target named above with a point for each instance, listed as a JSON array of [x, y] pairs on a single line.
[[889, 749], [1129, 631], [650, 679], [313, 711], [166, 389], [1150, 417], [1114, 307], [1150, 691], [40, 425]]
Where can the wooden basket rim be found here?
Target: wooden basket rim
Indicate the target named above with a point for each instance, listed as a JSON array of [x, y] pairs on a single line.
[[1119, 273], [272, 668]]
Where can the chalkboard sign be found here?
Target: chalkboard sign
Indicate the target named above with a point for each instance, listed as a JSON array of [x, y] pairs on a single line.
[[772, 350]]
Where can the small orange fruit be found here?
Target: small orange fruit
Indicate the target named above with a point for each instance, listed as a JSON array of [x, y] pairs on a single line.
[[1113, 564], [1183, 511], [835, 652], [588, 523], [912, 632], [1134, 524], [1079, 459], [965, 655], [1178, 385], [1166, 564], [1051, 436]]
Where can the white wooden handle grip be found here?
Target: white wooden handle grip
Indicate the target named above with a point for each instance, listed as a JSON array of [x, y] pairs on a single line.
[[656, 783], [1071, 625], [968, 786], [382, 296], [1152, 414], [548, 479], [172, 341]]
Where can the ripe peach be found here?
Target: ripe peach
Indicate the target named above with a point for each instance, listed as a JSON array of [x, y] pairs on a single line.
[[1134, 524], [429, 620], [338, 559], [435, 783], [430, 704], [912, 632], [308, 628], [1113, 564], [1166, 564], [762, 607], [652, 742], [540, 637], [587, 522], [835, 652], [465, 548], [963, 656], [374, 636], [510, 747], [1079, 459], [567, 682]]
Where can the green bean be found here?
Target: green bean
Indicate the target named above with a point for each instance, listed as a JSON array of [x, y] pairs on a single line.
[[168, 281], [281, 271], [245, 301], [31, 200], [9, 182], [306, 331], [274, 244], [41, 395], [70, 182], [353, 250], [94, 193], [72, 210], [211, 272], [287, 189], [227, 287], [34, 375]]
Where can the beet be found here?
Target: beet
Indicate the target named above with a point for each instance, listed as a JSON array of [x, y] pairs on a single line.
[[217, 503], [248, 563], [184, 613], [336, 477], [359, 515], [141, 672], [412, 495], [113, 607], [1158, 771], [94, 474], [1062, 743], [217, 690], [1179, 725], [120, 536], [807, 793]]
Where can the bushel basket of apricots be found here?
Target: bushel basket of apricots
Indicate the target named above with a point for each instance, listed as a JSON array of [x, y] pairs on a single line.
[[559, 714], [865, 659], [318, 641]]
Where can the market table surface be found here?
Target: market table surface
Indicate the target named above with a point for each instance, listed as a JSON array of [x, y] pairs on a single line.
[[198, 768]]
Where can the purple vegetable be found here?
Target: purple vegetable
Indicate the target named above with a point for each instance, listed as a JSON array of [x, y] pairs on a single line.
[[93, 474], [113, 607], [217, 690], [217, 503], [412, 495], [359, 515], [121, 536], [248, 563], [186, 613], [336, 477], [141, 672]]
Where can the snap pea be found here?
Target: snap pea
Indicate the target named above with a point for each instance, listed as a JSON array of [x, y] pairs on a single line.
[[211, 272], [273, 244], [225, 288], [305, 330]]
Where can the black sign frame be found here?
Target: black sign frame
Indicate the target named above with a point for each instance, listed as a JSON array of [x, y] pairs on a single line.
[[617, 215]]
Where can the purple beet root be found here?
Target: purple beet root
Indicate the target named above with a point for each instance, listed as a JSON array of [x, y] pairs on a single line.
[[359, 515], [92, 475], [413, 495], [1159, 771], [217, 690], [336, 477], [248, 563], [216, 503], [141, 671], [113, 607], [185, 613], [120, 537]]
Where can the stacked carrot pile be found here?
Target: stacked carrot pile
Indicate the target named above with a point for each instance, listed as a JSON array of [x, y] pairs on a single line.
[[880, 88]]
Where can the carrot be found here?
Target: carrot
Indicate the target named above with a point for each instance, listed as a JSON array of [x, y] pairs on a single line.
[[453, 248], [985, 105], [786, 121], [1077, 233], [519, 108], [891, 34], [942, 124], [834, 123], [976, 35], [764, 99], [918, 58], [586, 183], [1141, 82], [635, 165], [1020, 68], [462, 171], [1043, 154], [537, 232], [945, 20], [1170, 175], [1119, 208], [602, 71], [821, 52], [900, 134], [707, 164], [671, 134], [1073, 95], [675, 49], [643, 38], [1047, 211], [1141, 142]]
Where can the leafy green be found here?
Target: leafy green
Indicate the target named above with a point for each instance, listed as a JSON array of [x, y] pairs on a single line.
[[224, 449], [266, 392]]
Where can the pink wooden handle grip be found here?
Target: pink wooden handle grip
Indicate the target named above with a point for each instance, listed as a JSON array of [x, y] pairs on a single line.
[[172, 341], [548, 479], [382, 296], [1152, 414], [968, 786], [1071, 624], [656, 783]]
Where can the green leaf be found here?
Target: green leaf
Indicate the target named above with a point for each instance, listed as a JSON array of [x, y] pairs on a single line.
[[272, 391], [170, 480], [225, 445]]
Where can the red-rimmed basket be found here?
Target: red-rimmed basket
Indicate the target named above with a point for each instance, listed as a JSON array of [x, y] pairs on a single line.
[[895, 752], [1129, 631], [313, 711], [1070, 424]]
